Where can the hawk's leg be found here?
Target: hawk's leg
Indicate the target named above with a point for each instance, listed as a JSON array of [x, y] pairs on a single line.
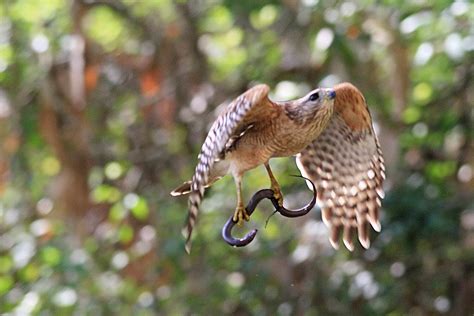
[[240, 213], [274, 185]]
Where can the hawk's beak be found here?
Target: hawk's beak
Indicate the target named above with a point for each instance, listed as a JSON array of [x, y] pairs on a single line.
[[332, 94]]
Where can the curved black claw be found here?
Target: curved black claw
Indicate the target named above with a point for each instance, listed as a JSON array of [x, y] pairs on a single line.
[[256, 198], [247, 239], [301, 211]]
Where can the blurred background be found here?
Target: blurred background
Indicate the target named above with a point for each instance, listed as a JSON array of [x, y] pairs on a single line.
[[104, 106]]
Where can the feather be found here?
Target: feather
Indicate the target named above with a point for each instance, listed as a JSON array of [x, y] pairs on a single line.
[[346, 164], [238, 118]]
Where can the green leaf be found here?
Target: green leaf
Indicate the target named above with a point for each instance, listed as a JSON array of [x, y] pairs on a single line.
[[50, 166], [105, 27], [117, 212], [6, 264], [439, 170], [140, 210], [411, 115], [422, 92], [50, 256], [264, 17], [6, 283], [30, 273], [113, 170], [218, 19], [106, 193], [125, 234]]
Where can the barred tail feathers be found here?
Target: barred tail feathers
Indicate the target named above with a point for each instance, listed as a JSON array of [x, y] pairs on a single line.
[[198, 182], [194, 201], [216, 140]]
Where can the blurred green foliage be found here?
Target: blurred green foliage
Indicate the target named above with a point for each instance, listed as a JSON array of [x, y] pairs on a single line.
[[104, 106]]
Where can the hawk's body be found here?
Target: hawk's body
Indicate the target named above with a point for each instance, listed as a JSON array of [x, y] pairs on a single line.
[[254, 129], [259, 139]]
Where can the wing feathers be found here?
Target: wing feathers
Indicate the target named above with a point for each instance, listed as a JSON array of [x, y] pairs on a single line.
[[347, 166], [248, 107]]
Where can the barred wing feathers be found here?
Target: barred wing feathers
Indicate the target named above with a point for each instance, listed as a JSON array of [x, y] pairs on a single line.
[[251, 108], [345, 162]]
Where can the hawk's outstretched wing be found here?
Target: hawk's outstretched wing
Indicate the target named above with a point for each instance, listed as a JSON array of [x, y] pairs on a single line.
[[346, 164], [249, 110]]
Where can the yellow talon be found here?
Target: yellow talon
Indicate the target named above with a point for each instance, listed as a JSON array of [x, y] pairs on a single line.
[[274, 186], [240, 215], [277, 195]]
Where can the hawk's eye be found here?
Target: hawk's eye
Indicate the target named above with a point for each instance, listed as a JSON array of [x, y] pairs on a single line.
[[314, 96]]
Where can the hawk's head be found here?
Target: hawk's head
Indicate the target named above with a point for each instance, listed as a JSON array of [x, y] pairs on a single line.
[[314, 109]]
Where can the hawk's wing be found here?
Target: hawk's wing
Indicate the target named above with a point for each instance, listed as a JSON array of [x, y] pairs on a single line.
[[346, 164], [251, 108]]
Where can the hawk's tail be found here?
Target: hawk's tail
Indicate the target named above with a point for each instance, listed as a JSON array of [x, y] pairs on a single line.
[[195, 198]]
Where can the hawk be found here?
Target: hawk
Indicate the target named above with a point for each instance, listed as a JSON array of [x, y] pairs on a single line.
[[330, 131]]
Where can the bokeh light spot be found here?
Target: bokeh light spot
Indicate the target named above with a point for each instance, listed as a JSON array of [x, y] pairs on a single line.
[[113, 170], [65, 297], [324, 39], [50, 166], [51, 255], [465, 173], [120, 260], [422, 92], [236, 279], [442, 304], [40, 43], [44, 206], [397, 269], [6, 282]]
